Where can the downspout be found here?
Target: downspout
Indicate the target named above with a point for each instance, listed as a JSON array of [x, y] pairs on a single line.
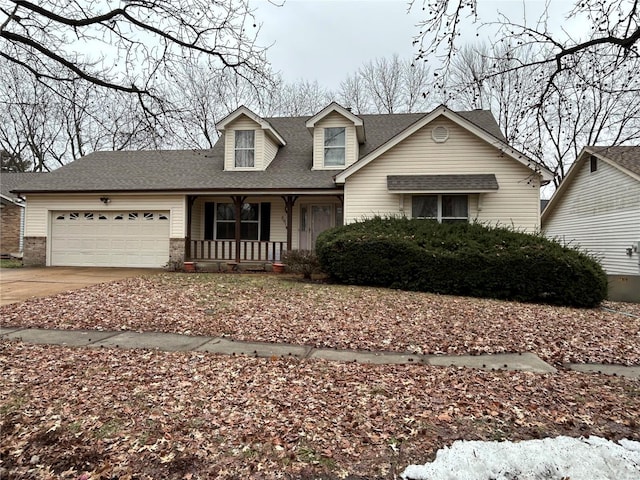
[[22, 220]]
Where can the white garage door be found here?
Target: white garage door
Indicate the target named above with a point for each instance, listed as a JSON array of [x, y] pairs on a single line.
[[110, 239]]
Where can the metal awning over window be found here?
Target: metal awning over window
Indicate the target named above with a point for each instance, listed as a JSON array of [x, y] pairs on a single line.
[[442, 183]]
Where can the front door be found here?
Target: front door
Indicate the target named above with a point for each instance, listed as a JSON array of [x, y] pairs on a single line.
[[315, 219]]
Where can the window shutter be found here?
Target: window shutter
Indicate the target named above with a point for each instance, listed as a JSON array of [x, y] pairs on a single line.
[[265, 221], [209, 217]]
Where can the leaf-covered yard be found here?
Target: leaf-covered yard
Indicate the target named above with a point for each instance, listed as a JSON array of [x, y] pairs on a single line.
[[97, 413], [283, 309]]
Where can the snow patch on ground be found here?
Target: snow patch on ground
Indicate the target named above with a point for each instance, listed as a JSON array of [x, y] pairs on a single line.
[[591, 458]]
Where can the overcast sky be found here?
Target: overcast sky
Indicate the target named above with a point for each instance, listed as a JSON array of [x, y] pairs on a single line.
[[326, 40]]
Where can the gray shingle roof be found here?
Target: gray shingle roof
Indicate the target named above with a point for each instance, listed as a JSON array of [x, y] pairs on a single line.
[[627, 157], [442, 183], [10, 180], [202, 170]]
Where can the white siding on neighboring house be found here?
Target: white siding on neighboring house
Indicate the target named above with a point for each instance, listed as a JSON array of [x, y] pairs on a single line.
[[334, 119], [39, 206], [599, 212], [516, 202]]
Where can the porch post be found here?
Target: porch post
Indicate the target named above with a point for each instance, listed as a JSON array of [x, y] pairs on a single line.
[[289, 201], [238, 201], [191, 199]]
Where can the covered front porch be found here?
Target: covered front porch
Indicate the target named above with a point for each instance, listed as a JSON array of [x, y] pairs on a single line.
[[257, 228]]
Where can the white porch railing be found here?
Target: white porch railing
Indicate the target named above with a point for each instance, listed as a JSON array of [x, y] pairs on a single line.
[[250, 250]]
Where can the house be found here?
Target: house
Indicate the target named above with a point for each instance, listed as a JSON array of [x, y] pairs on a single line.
[[272, 184], [597, 208], [12, 212], [543, 204]]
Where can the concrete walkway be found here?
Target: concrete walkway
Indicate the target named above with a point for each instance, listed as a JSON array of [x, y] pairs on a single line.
[[171, 342]]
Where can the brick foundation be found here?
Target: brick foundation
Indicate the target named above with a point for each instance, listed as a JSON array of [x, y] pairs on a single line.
[[35, 252], [176, 251]]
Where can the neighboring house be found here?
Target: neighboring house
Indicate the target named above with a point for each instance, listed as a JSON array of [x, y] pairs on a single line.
[[272, 184], [597, 207], [12, 213]]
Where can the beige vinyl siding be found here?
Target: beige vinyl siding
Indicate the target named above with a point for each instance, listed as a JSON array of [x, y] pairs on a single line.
[[244, 123], [278, 219], [38, 208], [600, 212], [270, 150], [516, 202], [334, 119]]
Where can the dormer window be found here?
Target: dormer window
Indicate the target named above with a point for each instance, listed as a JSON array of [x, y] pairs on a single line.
[[245, 148], [334, 147]]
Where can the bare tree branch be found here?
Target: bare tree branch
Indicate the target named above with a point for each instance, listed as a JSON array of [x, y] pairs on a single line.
[[615, 33], [580, 107], [132, 48], [15, 38]]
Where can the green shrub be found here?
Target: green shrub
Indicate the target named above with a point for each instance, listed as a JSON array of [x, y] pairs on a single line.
[[461, 259], [302, 261], [10, 263]]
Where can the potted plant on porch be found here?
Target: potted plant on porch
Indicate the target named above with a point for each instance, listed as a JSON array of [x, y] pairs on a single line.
[[278, 267]]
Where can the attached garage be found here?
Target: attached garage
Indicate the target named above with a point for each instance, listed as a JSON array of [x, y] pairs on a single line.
[[109, 239]]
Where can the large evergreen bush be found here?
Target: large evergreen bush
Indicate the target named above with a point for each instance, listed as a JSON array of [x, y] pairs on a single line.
[[461, 259]]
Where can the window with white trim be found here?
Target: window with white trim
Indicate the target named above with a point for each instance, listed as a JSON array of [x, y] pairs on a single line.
[[334, 147], [443, 208], [245, 148]]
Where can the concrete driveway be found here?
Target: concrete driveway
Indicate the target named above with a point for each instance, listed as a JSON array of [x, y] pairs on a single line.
[[19, 284]]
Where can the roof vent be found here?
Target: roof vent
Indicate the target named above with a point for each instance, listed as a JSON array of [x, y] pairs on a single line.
[[440, 134]]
